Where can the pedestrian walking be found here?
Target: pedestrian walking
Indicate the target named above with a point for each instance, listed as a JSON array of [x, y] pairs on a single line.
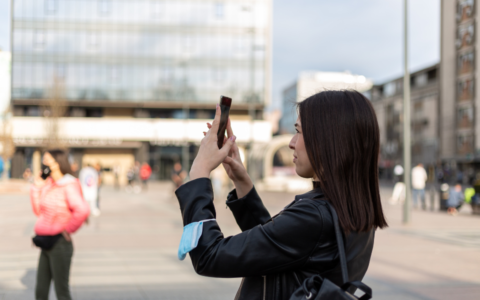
[[145, 173], [178, 175], [89, 181], [337, 145], [419, 178], [131, 176], [61, 210], [455, 200]]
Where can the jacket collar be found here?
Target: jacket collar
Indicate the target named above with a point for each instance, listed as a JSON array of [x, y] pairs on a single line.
[[315, 193], [66, 179]]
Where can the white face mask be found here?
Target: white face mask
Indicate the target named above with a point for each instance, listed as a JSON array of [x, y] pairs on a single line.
[[190, 237]]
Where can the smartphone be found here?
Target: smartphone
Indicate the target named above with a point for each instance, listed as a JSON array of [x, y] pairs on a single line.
[[45, 172], [225, 104]]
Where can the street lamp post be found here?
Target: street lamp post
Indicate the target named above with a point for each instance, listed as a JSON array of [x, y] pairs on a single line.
[[407, 159]]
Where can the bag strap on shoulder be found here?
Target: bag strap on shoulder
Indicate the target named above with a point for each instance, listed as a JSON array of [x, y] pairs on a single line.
[[340, 244]]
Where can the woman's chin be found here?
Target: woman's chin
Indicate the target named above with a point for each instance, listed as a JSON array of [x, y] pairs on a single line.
[[302, 174]]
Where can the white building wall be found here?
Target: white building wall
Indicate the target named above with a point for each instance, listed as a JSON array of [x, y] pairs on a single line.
[[32, 130], [5, 59]]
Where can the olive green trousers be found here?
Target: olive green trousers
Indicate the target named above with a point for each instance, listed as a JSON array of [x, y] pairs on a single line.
[[54, 264]]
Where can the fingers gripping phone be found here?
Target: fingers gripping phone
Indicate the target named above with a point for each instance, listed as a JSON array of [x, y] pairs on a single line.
[[45, 172], [225, 104]]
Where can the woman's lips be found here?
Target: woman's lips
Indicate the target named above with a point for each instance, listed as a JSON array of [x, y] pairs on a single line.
[[294, 158]]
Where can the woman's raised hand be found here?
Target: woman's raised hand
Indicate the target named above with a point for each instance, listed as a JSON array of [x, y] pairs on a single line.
[[38, 181], [234, 167], [209, 156]]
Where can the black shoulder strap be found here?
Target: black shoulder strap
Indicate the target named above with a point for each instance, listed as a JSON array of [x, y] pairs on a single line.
[[340, 244]]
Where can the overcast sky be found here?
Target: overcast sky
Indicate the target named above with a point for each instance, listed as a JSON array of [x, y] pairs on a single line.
[[362, 36]]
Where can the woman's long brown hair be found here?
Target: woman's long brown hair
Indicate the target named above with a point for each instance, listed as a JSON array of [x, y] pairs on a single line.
[[61, 157], [342, 140]]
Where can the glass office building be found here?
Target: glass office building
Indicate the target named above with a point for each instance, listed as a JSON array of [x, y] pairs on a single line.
[[119, 62], [142, 51]]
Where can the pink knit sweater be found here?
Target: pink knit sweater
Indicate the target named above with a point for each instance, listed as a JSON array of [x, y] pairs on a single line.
[[59, 206]]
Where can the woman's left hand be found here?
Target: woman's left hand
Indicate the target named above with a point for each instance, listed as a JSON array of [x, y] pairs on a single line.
[[67, 236], [209, 156]]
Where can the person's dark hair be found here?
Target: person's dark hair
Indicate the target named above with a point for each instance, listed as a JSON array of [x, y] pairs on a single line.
[[61, 157], [342, 140]]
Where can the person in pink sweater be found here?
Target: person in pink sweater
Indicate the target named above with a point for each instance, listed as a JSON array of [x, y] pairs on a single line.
[[58, 202]]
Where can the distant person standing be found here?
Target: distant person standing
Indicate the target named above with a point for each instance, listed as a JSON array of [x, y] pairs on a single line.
[[98, 168], [178, 175], [398, 194], [145, 173], [131, 176], [61, 210], [116, 176], [28, 175], [455, 200], [89, 181], [419, 178], [136, 170]]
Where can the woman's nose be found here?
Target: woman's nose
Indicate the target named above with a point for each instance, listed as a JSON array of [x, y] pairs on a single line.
[[292, 143]]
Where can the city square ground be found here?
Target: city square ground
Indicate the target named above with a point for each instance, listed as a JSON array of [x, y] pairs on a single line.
[[130, 250]]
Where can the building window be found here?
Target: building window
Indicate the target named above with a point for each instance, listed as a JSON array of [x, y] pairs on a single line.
[[61, 71], [465, 117], [389, 89], [464, 10], [421, 80], [114, 75], [465, 36], [219, 75], [104, 7], [50, 7], [93, 40], [465, 90], [39, 38], [465, 144], [157, 8], [219, 10], [466, 63]]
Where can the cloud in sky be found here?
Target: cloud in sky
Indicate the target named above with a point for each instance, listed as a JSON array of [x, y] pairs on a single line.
[[362, 36]]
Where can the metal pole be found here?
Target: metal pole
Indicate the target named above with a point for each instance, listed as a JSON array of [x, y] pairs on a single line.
[[186, 145], [407, 159]]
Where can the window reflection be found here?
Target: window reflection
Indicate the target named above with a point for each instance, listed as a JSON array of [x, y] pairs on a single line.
[[465, 144], [465, 117], [140, 50], [465, 90], [465, 36], [466, 63], [464, 10]]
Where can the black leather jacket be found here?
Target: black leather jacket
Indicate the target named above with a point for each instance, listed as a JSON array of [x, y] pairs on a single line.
[[299, 239]]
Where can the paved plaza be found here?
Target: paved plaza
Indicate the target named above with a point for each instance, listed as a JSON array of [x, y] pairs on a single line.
[[130, 251]]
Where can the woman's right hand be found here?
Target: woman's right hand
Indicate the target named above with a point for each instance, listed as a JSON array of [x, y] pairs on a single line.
[[234, 167], [38, 181]]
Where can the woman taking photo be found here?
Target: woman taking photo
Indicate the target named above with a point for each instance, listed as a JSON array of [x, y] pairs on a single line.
[[337, 145], [61, 210]]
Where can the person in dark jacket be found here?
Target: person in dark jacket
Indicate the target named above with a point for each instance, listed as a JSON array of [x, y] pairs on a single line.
[[337, 145]]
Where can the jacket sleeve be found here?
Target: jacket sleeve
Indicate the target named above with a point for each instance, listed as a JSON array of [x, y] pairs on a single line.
[[35, 199], [249, 210], [283, 244], [78, 206]]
